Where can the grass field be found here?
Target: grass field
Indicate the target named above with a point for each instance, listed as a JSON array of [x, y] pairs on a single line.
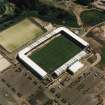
[[17, 35], [92, 17], [55, 53]]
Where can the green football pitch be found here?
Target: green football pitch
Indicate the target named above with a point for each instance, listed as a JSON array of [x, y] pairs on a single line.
[[55, 53]]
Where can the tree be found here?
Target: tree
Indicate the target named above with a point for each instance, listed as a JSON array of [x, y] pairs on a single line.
[[2, 6], [25, 4], [6, 8]]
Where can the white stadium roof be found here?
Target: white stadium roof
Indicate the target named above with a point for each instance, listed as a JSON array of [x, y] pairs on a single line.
[[76, 66]]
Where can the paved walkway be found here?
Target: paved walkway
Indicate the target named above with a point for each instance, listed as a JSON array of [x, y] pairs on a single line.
[[3, 63], [97, 60]]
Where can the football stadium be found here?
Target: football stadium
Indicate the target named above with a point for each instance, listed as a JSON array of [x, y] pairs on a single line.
[[54, 52]]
